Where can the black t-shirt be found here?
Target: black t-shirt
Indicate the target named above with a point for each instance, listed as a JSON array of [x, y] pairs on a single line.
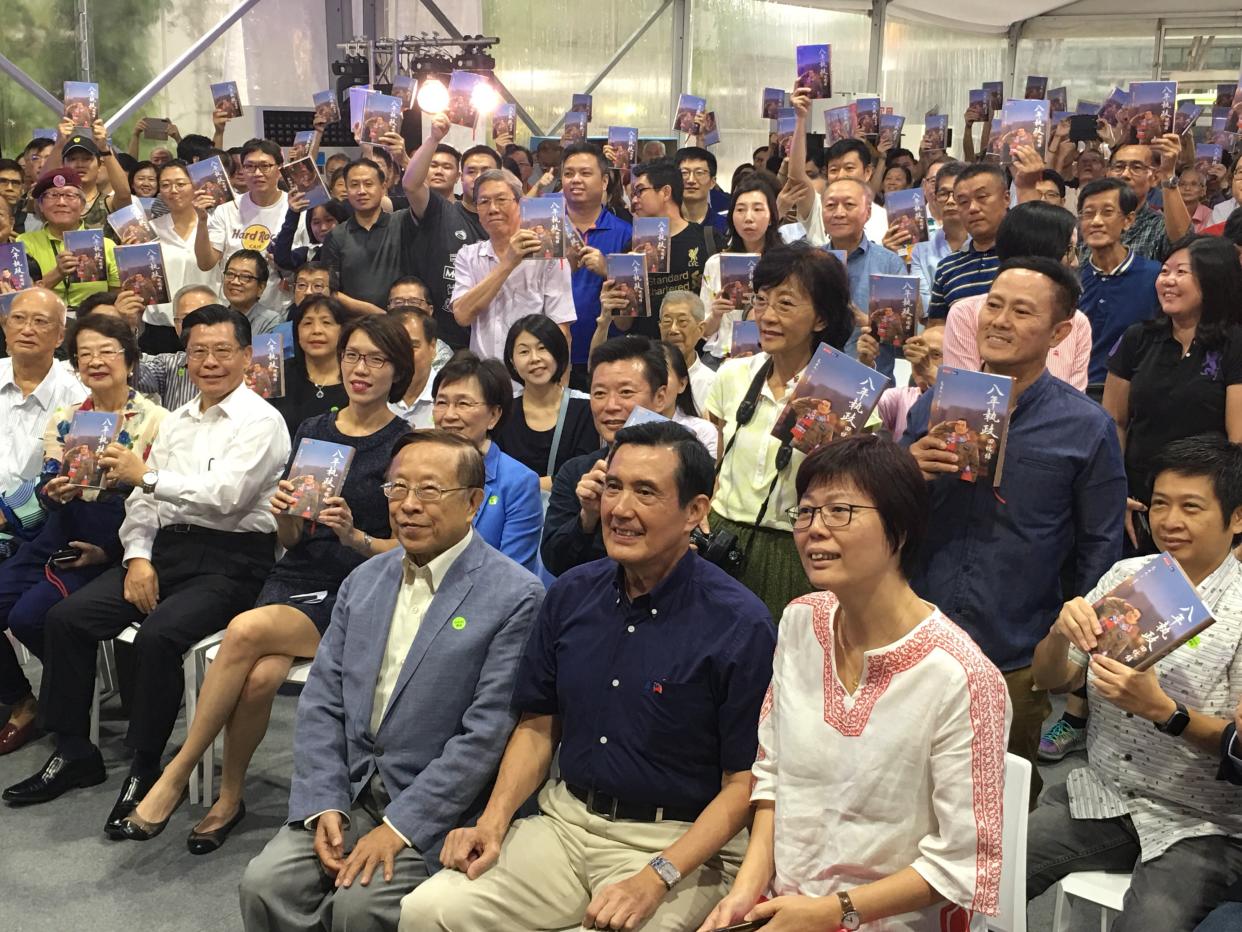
[[367, 262], [302, 401], [531, 447], [444, 228], [1171, 396], [687, 255]]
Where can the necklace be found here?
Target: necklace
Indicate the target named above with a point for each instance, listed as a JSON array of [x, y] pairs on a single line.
[[318, 389]]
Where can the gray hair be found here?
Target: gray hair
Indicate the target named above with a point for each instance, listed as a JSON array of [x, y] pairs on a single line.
[[47, 295], [193, 289], [692, 302], [504, 176]]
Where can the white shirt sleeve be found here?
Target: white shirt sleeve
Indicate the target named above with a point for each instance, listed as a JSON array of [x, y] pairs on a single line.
[[558, 295], [816, 235]]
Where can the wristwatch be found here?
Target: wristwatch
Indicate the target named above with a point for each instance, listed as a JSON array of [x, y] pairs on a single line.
[[850, 919], [149, 478], [1176, 722], [1169, 183], [666, 870]]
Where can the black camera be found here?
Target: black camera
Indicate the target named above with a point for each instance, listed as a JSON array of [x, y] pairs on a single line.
[[721, 548]]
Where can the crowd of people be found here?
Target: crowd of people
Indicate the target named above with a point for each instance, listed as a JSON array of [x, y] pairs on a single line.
[[591, 645]]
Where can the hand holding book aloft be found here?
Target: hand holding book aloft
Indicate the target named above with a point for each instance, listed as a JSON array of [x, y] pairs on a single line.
[[1028, 169]]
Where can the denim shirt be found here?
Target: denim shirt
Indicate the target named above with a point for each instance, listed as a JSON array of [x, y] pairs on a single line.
[[992, 557]]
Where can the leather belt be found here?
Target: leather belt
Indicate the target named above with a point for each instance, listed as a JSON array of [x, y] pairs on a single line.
[[613, 809]]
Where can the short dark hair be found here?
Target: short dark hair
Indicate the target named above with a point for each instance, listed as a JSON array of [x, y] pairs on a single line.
[[977, 169], [894, 154], [266, 146], [695, 154], [382, 153], [335, 209], [171, 165], [763, 149], [428, 323], [391, 339], [106, 325], [139, 166], [445, 149], [482, 150], [901, 168], [1211, 456], [1051, 174], [362, 162], [1066, 290], [315, 267], [696, 470], [211, 314], [98, 299], [471, 472], [886, 474], [311, 302], [10, 165], [193, 147], [586, 148], [39, 142], [823, 279], [546, 332], [1034, 228], [261, 271], [1233, 227], [661, 173], [619, 349], [951, 170], [843, 147], [1127, 200], [493, 381]]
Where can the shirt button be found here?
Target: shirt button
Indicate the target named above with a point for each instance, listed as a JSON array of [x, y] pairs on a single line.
[[653, 611], [630, 629], [616, 682], [603, 739]]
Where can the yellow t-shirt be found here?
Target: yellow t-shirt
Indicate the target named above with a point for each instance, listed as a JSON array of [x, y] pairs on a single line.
[[43, 245]]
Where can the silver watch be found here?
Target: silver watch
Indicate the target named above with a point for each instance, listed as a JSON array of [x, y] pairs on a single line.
[[666, 871], [149, 478]]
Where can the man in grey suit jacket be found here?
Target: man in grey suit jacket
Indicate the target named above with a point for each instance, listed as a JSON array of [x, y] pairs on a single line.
[[406, 710]]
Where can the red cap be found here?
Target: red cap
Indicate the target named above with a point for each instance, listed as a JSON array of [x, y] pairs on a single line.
[[61, 177]]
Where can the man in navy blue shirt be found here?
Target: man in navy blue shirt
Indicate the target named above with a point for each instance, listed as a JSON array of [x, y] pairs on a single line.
[[698, 177], [648, 669], [993, 555], [1118, 285]]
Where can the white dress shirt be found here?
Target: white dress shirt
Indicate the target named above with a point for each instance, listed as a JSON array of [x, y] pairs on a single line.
[[24, 418], [417, 415], [217, 469], [701, 379], [536, 286]]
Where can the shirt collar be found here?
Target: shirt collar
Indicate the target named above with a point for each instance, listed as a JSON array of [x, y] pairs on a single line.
[[439, 565], [680, 575], [43, 391], [864, 246], [231, 405], [1120, 270]]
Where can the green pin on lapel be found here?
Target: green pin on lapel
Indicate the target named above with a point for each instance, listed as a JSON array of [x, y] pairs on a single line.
[[492, 500], [458, 623]]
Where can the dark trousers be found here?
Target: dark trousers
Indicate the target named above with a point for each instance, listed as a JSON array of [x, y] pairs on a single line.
[[205, 578]]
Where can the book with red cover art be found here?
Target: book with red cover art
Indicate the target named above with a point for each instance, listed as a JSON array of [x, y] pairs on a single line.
[[628, 273], [970, 413], [89, 434], [814, 70], [318, 472], [226, 97], [834, 398]]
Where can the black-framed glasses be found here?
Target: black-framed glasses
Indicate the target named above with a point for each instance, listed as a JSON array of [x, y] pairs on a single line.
[[373, 361], [399, 491], [833, 514]]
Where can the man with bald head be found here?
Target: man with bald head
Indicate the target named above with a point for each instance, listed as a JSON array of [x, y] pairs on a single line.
[[167, 371], [32, 387]]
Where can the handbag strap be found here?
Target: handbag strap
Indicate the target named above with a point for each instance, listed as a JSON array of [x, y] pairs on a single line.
[[560, 429]]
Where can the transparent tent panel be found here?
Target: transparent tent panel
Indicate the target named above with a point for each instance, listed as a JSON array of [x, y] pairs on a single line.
[[1089, 68]]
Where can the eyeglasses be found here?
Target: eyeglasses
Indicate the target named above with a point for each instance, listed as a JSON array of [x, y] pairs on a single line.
[[21, 321], [400, 492], [783, 306], [174, 185], [1134, 168], [487, 202], [258, 166], [698, 173], [312, 287], [63, 196], [833, 515], [10, 182], [372, 360], [408, 302], [106, 354], [461, 404], [639, 191], [244, 278], [222, 353]]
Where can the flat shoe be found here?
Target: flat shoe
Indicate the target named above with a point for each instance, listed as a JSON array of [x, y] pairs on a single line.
[[13, 736], [136, 828], [207, 842]]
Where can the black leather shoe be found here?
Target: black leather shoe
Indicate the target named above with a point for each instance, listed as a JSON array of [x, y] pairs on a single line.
[[207, 842], [58, 776], [135, 828], [132, 791]]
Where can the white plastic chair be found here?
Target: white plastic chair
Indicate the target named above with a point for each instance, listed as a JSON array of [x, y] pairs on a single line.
[[194, 667], [1105, 889], [23, 655], [1012, 917]]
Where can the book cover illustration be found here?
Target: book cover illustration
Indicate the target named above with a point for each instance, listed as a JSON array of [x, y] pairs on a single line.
[[327, 107], [891, 125], [1023, 123], [1036, 87], [87, 249], [628, 273], [1087, 108], [710, 129], [893, 308], [381, 114], [318, 473], [865, 114], [744, 339], [737, 278], [545, 217], [773, 100], [303, 177], [995, 91], [90, 432], [265, 376], [641, 415], [623, 140], [1224, 95], [357, 104], [210, 178], [785, 129], [978, 108], [833, 399], [504, 121], [82, 103], [814, 70], [226, 97], [836, 124], [1148, 615], [970, 413], [993, 153], [690, 110], [1058, 98], [651, 237], [935, 132], [1186, 116], [141, 270], [285, 329], [14, 268], [1152, 104], [581, 103], [131, 226], [1207, 154], [575, 127], [301, 145], [1234, 122], [404, 88], [1115, 107], [908, 209], [461, 110], [6, 300]]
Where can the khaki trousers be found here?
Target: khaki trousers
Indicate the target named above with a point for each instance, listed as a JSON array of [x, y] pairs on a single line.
[[550, 867], [1030, 708]]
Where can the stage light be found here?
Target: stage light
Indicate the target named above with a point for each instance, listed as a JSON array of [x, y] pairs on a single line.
[[484, 97], [433, 96]]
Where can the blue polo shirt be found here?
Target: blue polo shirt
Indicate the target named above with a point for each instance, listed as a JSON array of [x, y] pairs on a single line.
[[1113, 301], [608, 234], [657, 697], [867, 260], [992, 557], [962, 274]]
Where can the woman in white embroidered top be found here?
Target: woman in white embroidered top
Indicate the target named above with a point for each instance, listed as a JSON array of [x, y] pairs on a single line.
[[881, 760]]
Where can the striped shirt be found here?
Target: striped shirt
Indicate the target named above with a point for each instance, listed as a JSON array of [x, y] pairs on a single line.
[[168, 378], [963, 274], [1166, 785]]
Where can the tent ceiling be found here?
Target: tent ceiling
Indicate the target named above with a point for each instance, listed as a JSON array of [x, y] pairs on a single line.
[[990, 16]]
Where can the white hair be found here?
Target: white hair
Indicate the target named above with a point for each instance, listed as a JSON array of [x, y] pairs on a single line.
[[193, 289], [504, 176], [46, 293], [692, 302]]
